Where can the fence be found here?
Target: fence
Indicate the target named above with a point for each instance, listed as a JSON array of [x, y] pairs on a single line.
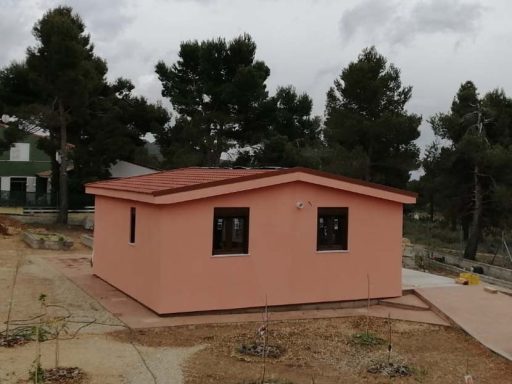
[[43, 200]]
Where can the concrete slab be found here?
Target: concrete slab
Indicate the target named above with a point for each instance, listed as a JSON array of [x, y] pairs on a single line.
[[408, 301], [415, 279], [135, 315], [485, 316]]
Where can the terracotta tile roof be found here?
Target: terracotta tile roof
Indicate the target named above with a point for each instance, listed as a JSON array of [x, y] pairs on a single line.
[[176, 179]]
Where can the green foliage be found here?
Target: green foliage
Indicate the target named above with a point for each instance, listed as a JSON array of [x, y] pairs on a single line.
[[36, 373], [366, 122], [366, 339], [293, 135], [61, 88], [437, 235], [218, 90], [477, 157]]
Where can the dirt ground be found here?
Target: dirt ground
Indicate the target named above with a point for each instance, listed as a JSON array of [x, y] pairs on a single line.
[[315, 351], [323, 351], [105, 360]]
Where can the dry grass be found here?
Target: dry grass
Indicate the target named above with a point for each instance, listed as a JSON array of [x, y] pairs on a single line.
[[323, 350]]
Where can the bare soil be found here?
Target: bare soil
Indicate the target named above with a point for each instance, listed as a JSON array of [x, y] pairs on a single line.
[[319, 351], [323, 351], [104, 360]]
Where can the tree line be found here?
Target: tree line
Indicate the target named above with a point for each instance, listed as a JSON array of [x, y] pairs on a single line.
[[468, 178], [222, 114]]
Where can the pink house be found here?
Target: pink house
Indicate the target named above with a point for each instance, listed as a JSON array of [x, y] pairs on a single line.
[[200, 239]]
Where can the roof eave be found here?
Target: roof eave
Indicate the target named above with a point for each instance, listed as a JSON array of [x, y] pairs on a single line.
[[260, 180]]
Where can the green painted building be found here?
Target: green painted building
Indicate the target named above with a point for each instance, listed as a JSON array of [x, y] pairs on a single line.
[[20, 169]]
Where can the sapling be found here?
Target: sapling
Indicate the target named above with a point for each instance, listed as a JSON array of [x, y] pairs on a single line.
[[368, 306], [468, 379], [11, 299], [264, 332], [38, 371], [389, 339]]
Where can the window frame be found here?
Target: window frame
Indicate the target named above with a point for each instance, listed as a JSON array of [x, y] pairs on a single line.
[[231, 213], [133, 225], [343, 220]]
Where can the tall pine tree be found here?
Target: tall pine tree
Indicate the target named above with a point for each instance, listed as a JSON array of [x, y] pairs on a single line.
[[218, 91], [61, 89], [368, 131]]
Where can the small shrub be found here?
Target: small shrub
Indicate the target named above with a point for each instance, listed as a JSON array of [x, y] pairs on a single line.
[[366, 339], [23, 335], [36, 374], [390, 369], [257, 349], [57, 375]]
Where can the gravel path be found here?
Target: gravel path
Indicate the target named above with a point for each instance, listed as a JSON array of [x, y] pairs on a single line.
[[105, 360]]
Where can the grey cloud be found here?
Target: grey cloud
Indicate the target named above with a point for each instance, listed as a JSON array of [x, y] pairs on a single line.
[[399, 23], [105, 19], [15, 29]]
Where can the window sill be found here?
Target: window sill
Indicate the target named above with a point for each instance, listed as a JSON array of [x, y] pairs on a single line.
[[231, 255], [334, 251]]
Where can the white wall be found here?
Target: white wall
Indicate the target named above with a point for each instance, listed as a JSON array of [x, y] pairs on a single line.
[[5, 183], [20, 152], [31, 184]]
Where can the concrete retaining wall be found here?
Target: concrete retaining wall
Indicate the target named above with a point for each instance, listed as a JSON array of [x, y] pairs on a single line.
[[81, 219], [87, 240], [458, 262], [42, 241]]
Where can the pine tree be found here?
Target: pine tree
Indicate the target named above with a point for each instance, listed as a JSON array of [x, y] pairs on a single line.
[[368, 132]]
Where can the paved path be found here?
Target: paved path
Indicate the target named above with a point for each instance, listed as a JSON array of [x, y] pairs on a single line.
[[412, 279], [136, 315], [485, 316]]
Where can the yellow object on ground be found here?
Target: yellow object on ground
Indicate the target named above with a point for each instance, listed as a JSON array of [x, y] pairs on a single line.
[[471, 278]]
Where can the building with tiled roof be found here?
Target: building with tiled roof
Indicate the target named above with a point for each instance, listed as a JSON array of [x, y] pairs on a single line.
[[202, 239]]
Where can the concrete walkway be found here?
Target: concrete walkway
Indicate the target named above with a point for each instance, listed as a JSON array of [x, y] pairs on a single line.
[[412, 279], [485, 316], [135, 315]]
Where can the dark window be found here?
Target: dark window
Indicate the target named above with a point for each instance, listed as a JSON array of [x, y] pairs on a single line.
[[230, 231], [332, 229], [133, 217]]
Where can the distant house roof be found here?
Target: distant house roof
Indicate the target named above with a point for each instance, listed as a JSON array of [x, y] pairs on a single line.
[[195, 182], [123, 168]]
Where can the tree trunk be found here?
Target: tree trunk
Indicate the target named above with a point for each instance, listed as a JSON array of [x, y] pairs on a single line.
[[431, 208], [476, 227], [63, 170], [368, 171], [465, 220]]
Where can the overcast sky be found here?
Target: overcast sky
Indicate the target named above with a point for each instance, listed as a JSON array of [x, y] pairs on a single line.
[[438, 44]]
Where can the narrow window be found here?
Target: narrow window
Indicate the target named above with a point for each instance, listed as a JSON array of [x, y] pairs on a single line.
[[230, 231], [332, 229], [133, 217]]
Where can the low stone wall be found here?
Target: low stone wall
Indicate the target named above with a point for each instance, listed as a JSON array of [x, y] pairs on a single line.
[[53, 241], [87, 240], [496, 272]]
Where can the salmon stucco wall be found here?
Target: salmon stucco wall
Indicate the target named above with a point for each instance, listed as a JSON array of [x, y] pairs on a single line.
[[283, 263], [171, 269], [132, 268]]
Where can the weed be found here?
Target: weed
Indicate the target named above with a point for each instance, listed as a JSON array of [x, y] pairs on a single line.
[[36, 373], [366, 339]]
